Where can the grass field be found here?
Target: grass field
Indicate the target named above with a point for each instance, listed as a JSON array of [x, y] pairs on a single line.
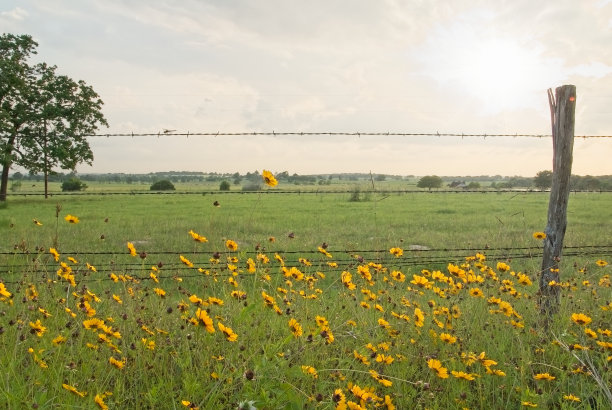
[[277, 323]]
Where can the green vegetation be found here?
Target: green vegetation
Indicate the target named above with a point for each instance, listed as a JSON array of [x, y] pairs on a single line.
[[543, 179], [73, 184], [224, 186], [467, 302], [163, 185], [191, 181], [44, 116], [430, 181]]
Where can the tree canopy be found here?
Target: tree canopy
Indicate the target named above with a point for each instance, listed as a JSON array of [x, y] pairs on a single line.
[[43, 115], [543, 179], [430, 181]]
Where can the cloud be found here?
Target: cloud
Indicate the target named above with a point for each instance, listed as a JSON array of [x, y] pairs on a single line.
[[594, 69], [16, 14]]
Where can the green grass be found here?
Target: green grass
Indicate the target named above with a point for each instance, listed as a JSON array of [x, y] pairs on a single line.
[[264, 364]]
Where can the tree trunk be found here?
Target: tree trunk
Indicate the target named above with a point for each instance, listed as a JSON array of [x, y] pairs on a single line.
[[46, 183], [6, 166], [4, 182], [563, 107], [46, 165]]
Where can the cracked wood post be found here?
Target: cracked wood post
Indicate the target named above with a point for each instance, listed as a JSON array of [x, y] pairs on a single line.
[[562, 111]]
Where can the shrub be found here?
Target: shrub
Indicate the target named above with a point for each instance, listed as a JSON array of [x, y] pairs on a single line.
[[224, 186], [163, 185], [73, 184]]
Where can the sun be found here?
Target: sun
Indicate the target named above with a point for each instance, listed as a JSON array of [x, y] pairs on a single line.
[[495, 70], [502, 72]]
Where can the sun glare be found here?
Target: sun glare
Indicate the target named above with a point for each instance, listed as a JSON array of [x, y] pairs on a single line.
[[500, 71], [494, 69]]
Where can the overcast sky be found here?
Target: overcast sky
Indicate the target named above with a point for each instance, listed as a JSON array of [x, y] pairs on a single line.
[[464, 66]]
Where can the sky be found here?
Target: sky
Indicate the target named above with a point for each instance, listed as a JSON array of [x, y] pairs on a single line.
[[413, 66]]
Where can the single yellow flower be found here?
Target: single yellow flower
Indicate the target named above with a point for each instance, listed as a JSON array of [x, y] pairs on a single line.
[[119, 364], [580, 319], [74, 390], [203, 318], [295, 327], [231, 245], [544, 376], [72, 219], [310, 371], [4, 294], [228, 332], [189, 404], [448, 338], [436, 366], [397, 252], [55, 254], [38, 328], [502, 267], [131, 248], [197, 237], [419, 318], [186, 261], [476, 292], [269, 178], [58, 340], [99, 400], [539, 235], [463, 375]]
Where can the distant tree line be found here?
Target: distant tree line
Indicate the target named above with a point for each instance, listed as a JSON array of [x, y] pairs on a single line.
[[542, 180], [252, 180]]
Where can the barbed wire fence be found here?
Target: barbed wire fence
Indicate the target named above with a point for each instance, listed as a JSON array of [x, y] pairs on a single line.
[[41, 263], [415, 258]]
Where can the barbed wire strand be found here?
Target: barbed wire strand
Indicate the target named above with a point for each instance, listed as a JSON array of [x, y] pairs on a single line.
[[299, 192], [326, 133], [486, 249]]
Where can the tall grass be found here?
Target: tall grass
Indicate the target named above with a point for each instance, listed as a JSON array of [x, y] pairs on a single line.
[[172, 361]]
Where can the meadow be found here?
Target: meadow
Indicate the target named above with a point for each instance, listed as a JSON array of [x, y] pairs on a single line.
[[300, 300]]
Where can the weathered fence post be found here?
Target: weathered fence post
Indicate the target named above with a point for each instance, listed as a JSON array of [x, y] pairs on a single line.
[[562, 111]]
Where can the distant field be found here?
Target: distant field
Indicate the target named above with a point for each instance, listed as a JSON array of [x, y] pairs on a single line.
[[163, 356], [433, 220]]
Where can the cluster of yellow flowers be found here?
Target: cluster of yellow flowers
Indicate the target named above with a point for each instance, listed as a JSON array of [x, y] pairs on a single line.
[[363, 314]]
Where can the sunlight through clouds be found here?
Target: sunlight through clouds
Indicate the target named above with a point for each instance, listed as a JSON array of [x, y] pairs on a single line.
[[502, 72]]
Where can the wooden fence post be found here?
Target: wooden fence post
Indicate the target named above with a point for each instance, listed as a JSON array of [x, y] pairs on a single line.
[[562, 111]]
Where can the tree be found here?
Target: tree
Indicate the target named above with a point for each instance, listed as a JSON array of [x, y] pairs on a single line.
[[224, 186], [65, 111], [543, 179], [430, 181], [43, 115]]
